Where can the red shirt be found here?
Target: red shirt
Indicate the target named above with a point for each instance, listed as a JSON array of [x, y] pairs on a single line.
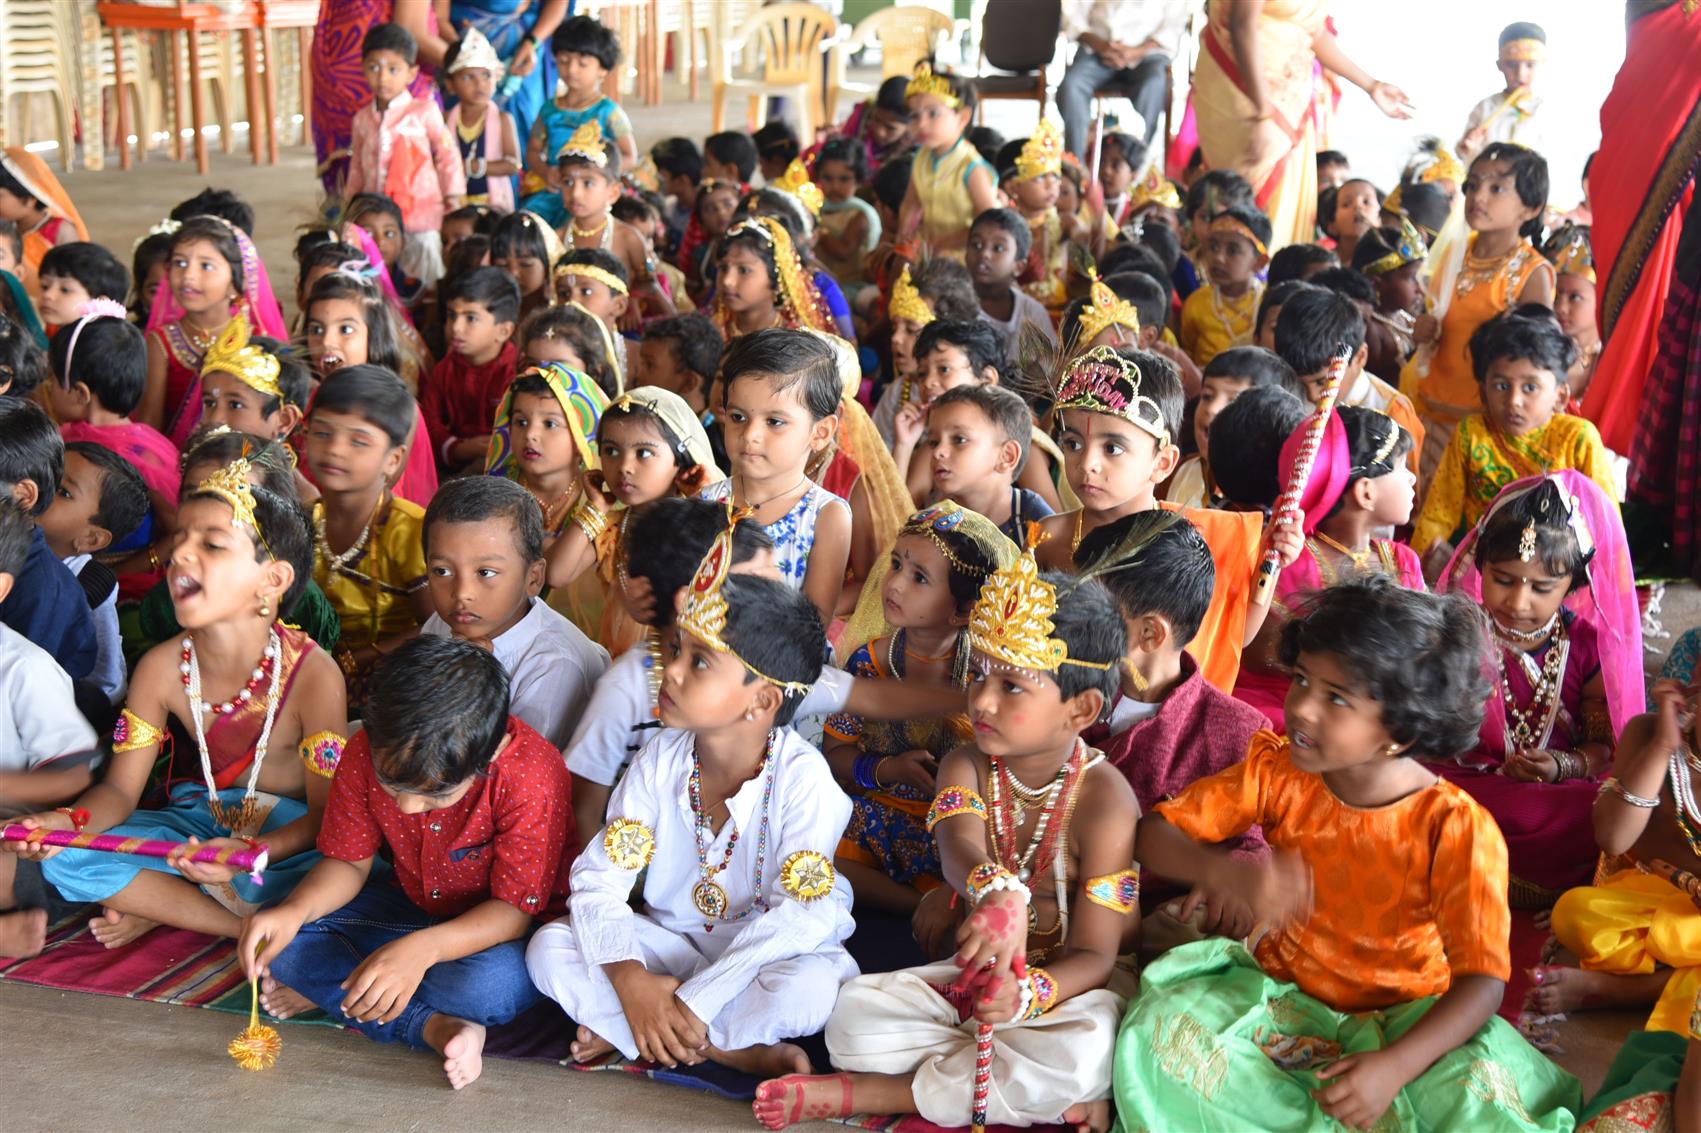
[[506, 838], [461, 399]]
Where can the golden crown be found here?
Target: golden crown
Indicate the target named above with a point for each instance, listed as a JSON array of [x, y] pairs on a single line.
[[1410, 248], [1154, 189], [587, 143], [925, 81], [1445, 167], [1571, 253], [231, 485], [590, 271], [1105, 309], [1103, 380], [906, 302], [1042, 153], [231, 353], [796, 182], [1012, 620], [704, 614], [1524, 50]]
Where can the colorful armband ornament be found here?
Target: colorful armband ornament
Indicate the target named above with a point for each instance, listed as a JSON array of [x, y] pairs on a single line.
[[807, 876], [1039, 994], [989, 877], [132, 732], [953, 801], [322, 751], [629, 844], [1119, 892]]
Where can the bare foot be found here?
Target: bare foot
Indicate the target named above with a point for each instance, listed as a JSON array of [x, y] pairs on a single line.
[[802, 1097], [462, 1046], [115, 929], [23, 933], [772, 1060], [1088, 1117], [282, 1002], [588, 1046], [1560, 990]]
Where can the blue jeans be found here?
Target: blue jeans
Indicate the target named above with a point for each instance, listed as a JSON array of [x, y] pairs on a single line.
[[487, 987], [1142, 83]]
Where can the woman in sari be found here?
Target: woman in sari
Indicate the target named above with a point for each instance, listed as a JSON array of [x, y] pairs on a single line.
[[519, 30], [1260, 108], [58, 223]]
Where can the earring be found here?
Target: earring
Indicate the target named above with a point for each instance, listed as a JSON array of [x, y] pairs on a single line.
[[265, 606]]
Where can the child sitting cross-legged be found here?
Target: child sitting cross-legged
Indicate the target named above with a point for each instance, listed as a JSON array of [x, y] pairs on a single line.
[[470, 808], [468, 384], [926, 592], [484, 568], [48, 752], [1371, 996], [1521, 359], [238, 685], [1036, 831], [731, 819]]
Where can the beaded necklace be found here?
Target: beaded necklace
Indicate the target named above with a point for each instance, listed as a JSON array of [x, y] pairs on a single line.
[[338, 563], [1688, 813], [708, 895], [1530, 728], [653, 671], [897, 646], [242, 818], [1048, 841]]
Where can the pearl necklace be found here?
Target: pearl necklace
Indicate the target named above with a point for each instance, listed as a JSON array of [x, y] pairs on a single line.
[[1521, 728], [268, 659], [1532, 637], [708, 895], [338, 563], [240, 819]]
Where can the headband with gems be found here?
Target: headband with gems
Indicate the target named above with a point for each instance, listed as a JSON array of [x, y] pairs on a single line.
[[590, 271], [1104, 380], [906, 302], [1153, 189], [1041, 154], [1233, 227], [935, 522], [1011, 623], [925, 81], [1523, 51], [587, 143], [704, 614], [1571, 254], [1106, 309], [1410, 250], [232, 353], [796, 182], [231, 485]]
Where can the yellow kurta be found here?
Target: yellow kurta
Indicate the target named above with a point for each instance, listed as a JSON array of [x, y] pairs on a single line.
[[941, 183], [1481, 460], [370, 594], [1210, 325]]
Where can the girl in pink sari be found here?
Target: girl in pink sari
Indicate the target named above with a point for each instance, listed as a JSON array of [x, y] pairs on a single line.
[[213, 273], [1551, 568], [1359, 485]]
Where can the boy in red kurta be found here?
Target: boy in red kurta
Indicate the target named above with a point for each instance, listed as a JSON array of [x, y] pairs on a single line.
[[466, 387]]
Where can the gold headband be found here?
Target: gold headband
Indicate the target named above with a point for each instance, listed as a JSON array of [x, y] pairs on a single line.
[[704, 614], [1106, 309], [926, 81], [796, 182], [231, 353], [1234, 227], [231, 485], [1011, 622], [1410, 250], [935, 522], [1573, 256], [587, 143], [1445, 167], [906, 302], [590, 271], [1041, 154], [1153, 189], [1523, 51], [1104, 380]]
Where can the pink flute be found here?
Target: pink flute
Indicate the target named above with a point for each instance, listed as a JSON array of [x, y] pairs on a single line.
[[1271, 567], [253, 860]]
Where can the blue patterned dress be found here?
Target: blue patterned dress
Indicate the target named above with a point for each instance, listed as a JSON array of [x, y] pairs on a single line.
[[793, 533]]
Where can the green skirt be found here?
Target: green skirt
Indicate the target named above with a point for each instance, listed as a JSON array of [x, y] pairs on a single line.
[[1213, 1045], [1637, 1092]]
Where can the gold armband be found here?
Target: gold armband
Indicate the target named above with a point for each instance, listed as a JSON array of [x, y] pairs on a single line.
[[1119, 892], [322, 751], [132, 732], [953, 801]]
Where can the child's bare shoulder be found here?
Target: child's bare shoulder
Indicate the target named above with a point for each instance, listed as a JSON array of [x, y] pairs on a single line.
[[158, 668], [1105, 795]]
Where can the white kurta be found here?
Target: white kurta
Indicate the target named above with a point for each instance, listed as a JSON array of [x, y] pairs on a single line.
[[770, 972]]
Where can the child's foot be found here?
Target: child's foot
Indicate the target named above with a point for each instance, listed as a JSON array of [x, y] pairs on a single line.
[[462, 1046], [802, 1097], [1559, 990], [588, 1046], [282, 1002], [773, 1060], [115, 929], [1088, 1117], [23, 933], [1543, 920]]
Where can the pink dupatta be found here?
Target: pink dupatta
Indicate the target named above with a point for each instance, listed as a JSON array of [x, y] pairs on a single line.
[[1608, 602], [257, 304]]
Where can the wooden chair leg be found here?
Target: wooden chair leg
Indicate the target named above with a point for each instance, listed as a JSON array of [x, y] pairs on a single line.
[[251, 92], [269, 92], [177, 99], [304, 43], [123, 117], [197, 108]]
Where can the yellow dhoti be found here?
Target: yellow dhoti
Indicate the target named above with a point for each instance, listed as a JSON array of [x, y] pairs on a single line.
[[1627, 925]]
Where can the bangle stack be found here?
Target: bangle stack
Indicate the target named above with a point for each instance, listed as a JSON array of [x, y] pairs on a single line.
[[589, 520], [1612, 784], [989, 877], [866, 772], [1569, 764]]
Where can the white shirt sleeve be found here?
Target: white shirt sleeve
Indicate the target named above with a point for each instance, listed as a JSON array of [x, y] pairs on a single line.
[[810, 815], [600, 905], [555, 682], [829, 694], [617, 705], [43, 710]]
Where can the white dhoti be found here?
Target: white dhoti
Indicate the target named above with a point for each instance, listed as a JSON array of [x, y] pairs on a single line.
[[895, 1023], [788, 998]]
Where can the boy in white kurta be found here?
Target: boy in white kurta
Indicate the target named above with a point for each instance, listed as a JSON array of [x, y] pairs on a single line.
[[740, 941]]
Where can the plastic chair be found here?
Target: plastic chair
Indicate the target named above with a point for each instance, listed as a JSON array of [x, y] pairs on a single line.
[[784, 49], [1020, 40], [40, 57], [138, 88], [906, 34]]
